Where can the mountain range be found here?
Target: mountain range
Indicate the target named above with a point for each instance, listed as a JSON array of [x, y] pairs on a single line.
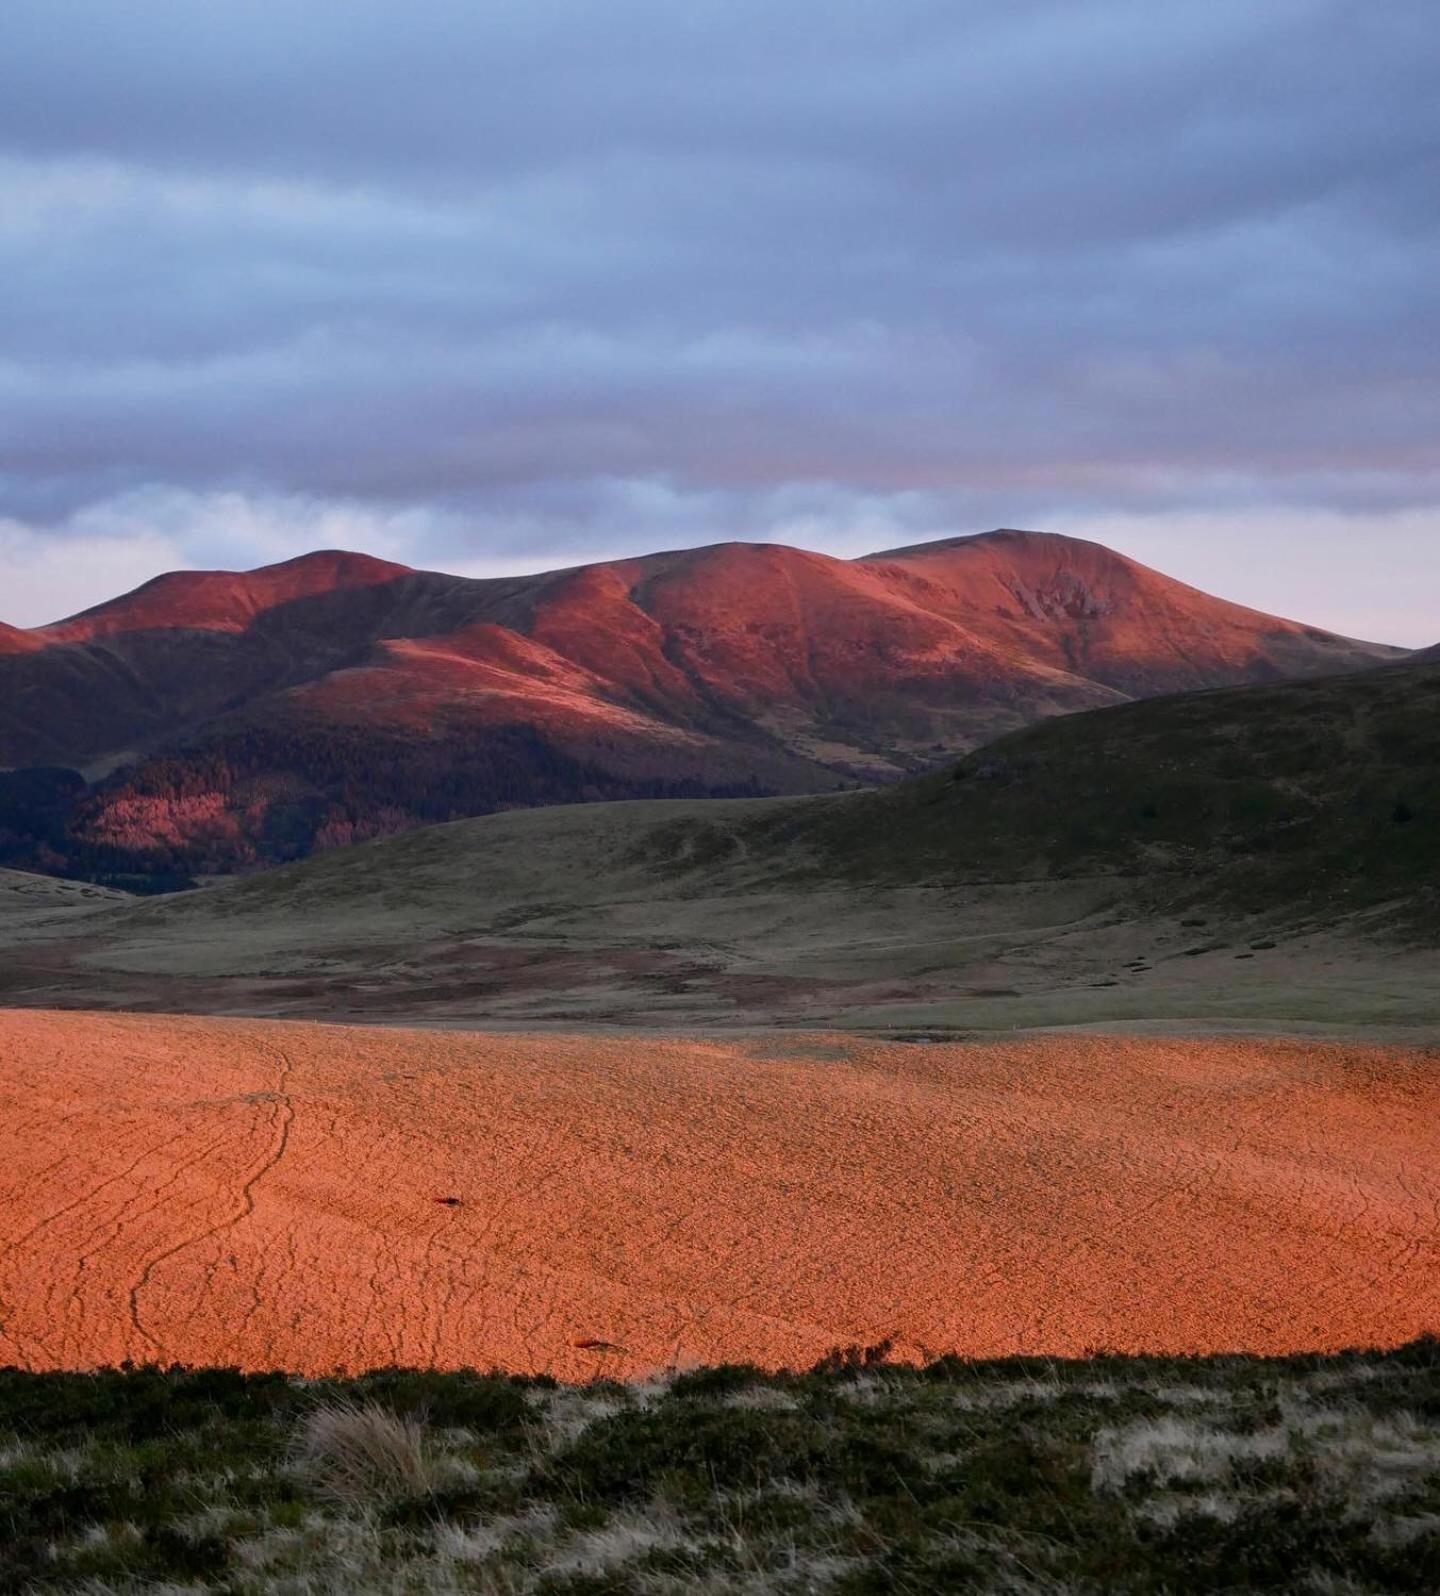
[[212, 721]]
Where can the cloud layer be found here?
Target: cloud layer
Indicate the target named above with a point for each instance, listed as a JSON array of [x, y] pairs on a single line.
[[493, 287]]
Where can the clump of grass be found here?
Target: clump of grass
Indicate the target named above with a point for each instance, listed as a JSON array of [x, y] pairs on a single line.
[[359, 1453]]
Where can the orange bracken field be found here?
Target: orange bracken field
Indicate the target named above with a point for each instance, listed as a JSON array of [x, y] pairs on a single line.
[[317, 1197]]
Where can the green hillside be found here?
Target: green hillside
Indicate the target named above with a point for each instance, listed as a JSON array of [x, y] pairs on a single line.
[[1319, 798]]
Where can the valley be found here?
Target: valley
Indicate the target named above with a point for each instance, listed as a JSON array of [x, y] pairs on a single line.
[[1255, 858], [1122, 1030]]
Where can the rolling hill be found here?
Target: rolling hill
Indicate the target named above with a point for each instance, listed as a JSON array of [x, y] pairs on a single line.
[[226, 720], [1312, 799], [1248, 855]]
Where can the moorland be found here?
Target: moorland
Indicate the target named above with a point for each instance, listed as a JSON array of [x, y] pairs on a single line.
[[944, 1124]]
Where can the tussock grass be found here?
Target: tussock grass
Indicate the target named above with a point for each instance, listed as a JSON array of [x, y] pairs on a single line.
[[1143, 1477], [360, 1454]]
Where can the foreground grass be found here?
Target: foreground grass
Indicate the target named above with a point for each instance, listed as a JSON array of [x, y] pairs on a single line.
[[1104, 1475]]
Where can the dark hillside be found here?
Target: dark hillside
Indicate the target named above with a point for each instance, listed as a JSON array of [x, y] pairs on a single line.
[[1319, 796]]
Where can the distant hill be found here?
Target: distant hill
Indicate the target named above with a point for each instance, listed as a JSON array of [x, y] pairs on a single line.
[[226, 720], [1305, 798]]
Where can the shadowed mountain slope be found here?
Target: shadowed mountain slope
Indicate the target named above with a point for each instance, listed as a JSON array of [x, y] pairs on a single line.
[[1302, 798], [1108, 866], [252, 718]]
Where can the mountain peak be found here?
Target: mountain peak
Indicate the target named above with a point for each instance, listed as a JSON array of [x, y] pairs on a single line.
[[223, 601], [346, 567], [1012, 540], [15, 641]]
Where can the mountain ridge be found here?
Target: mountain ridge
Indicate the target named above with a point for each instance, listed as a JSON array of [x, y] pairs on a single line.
[[221, 599], [253, 716]]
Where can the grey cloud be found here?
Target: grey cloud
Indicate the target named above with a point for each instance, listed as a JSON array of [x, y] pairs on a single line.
[[548, 275]]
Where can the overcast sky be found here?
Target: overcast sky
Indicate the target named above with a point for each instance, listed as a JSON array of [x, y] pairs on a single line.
[[491, 287]]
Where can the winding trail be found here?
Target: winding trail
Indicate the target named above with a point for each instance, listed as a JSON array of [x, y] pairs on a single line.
[[264, 1194], [283, 1119]]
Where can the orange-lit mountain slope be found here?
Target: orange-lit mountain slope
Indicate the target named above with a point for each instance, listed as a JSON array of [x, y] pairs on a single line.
[[222, 601], [15, 641], [727, 668]]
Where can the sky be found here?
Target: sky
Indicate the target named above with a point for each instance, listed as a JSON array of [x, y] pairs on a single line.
[[500, 287]]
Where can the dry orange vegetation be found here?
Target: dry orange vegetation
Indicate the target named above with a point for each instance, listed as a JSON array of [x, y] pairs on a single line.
[[225, 1191]]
